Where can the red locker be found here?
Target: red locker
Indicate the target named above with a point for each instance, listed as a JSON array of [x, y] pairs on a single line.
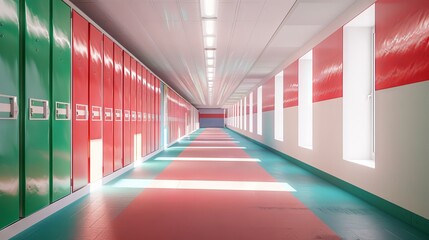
[[117, 104], [144, 112], [80, 141], [133, 89], [139, 112], [156, 129], [158, 142], [108, 107], [127, 110], [152, 107], [148, 110], [96, 104]]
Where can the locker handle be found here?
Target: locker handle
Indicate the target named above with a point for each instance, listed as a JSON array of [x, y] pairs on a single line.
[[11, 107], [127, 115], [108, 112], [97, 113], [81, 112], [118, 115], [62, 111], [36, 109]]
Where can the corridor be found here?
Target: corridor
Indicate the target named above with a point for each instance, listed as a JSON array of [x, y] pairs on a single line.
[[216, 184]]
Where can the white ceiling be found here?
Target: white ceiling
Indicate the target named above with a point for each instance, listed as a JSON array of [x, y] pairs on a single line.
[[255, 38]]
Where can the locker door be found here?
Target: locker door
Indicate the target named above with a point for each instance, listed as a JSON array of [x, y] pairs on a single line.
[[127, 110], [9, 124], [37, 95], [151, 114], [60, 107], [133, 90], [143, 107], [144, 111], [96, 104], [108, 106], [158, 106], [117, 105], [154, 113], [80, 140], [139, 112], [147, 106]]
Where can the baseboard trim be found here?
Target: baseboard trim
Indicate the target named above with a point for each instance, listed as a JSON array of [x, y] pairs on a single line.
[[390, 208]]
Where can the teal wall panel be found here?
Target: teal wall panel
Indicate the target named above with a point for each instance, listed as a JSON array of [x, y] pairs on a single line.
[[36, 164], [9, 124], [60, 107]]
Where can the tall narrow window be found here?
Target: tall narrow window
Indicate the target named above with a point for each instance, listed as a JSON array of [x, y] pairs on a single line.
[[251, 112], [235, 115], [358, 89], [278, 107], [305, 101], [245, 113], [259, 111], [241, 114]]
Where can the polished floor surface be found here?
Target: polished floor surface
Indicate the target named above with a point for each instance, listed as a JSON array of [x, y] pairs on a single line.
[[215, 184]]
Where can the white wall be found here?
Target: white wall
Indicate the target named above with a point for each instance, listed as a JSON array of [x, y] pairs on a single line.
[[402, 145]]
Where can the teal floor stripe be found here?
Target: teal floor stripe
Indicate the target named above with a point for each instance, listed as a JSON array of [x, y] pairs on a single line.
[[349, 216]]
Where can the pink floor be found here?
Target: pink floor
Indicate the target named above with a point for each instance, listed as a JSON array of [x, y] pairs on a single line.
[[215, 214]]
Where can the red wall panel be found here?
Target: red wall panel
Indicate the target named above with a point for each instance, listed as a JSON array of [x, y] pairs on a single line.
[[108, 107], [133, 107], [127, 110], [402, 40], [328, 68], [290, 85], [268, 95], [117, 103], [95, 101], [208, 115], [80, 141]]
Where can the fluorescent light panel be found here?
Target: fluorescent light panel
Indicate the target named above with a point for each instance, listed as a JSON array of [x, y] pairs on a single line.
[[209, 26], [210, 41], [210, 53], [208, 8]]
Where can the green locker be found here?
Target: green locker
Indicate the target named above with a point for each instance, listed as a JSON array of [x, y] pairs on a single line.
[[36, 64], [9, 124], [60, 107]]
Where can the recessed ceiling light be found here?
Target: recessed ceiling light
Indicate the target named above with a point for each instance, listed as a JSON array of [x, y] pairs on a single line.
[[210, 75], [210, 41], [209, 8], [209, 26], [210, 53], [210, 69], [210, 62]]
